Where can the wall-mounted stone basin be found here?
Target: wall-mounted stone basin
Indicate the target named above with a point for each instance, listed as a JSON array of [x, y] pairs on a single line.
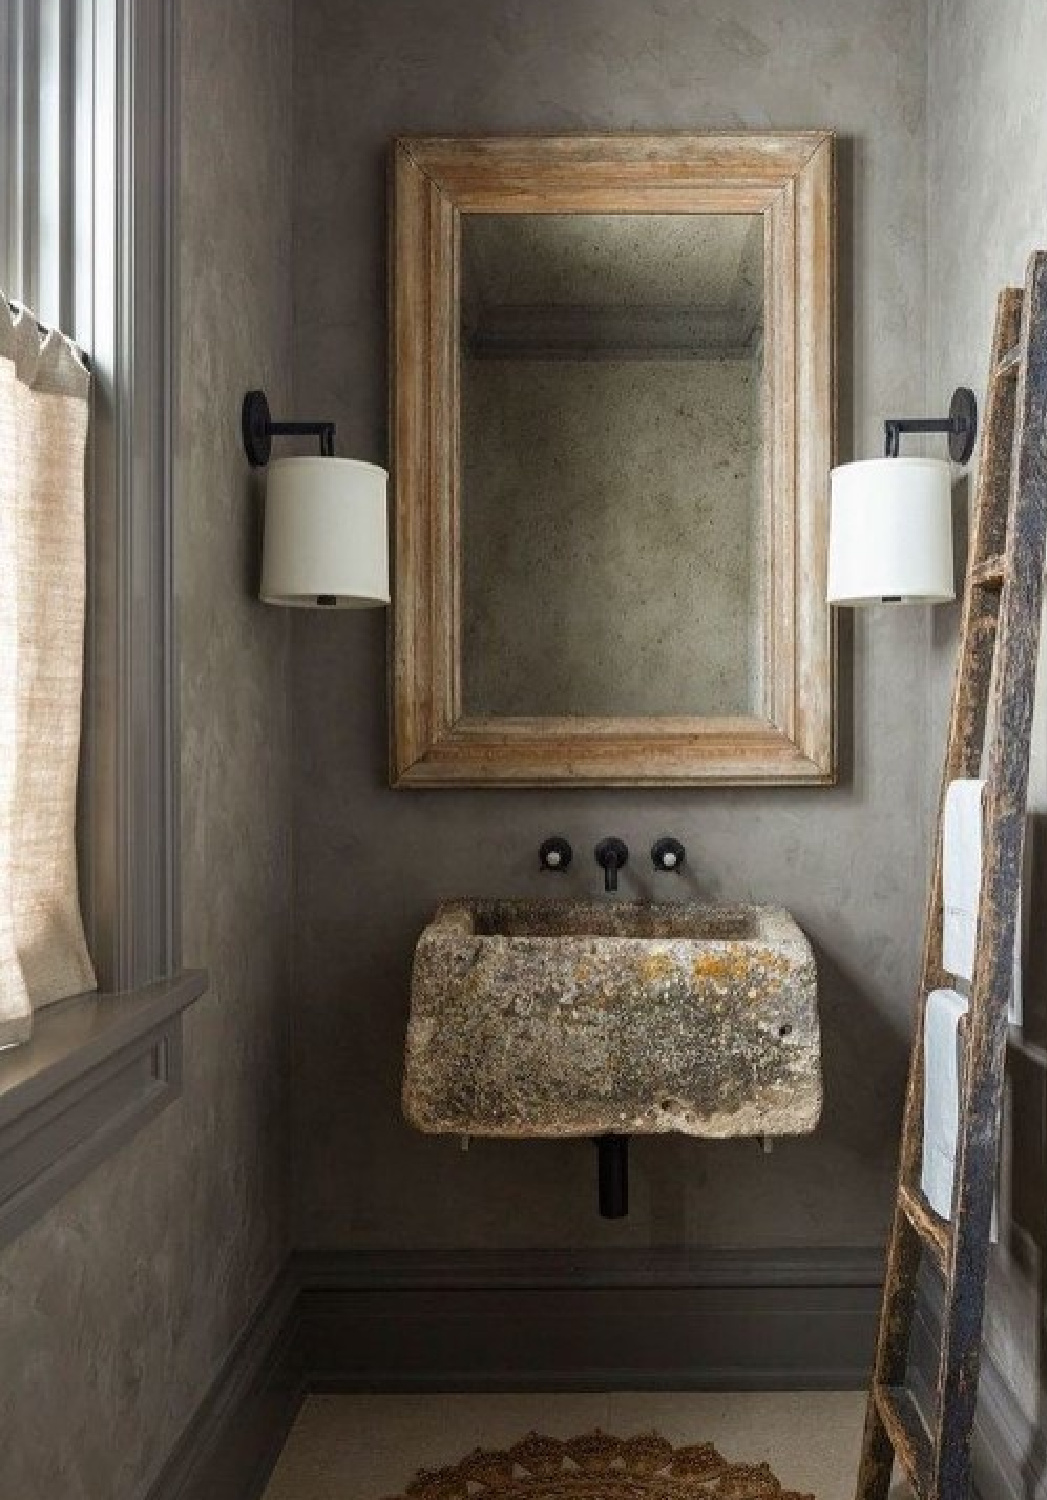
[[568, 1018]]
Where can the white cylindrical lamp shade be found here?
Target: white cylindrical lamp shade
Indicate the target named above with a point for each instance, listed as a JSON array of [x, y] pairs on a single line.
[[890, 532], [326, 535]]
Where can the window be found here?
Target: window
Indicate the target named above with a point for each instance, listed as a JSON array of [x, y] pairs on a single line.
[[87, 239]]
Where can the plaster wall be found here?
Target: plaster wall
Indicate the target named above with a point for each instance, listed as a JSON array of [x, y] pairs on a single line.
[[371, 863], [119, 1306], [986, 211]]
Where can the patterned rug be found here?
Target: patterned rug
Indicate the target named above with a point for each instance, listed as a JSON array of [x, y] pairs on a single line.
[[595, 1466]]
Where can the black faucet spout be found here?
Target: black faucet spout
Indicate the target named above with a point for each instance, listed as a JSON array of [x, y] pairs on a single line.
[[611, 854]]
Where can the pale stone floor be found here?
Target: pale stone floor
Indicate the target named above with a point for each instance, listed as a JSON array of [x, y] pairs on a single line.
[[370, 1447]]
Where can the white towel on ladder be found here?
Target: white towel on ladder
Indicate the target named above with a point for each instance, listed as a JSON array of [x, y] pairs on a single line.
[[942, 1076], [961, 888], [943, 1012]]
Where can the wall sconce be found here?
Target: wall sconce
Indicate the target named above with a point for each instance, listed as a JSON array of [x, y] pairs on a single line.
[[890, 522], [326, 537]]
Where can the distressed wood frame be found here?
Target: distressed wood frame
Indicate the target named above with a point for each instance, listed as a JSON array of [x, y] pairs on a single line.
[[787, 177]]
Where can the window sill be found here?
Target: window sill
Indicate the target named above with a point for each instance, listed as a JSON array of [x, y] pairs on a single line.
[[96, 1070]]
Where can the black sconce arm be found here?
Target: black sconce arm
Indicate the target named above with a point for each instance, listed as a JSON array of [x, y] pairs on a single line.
[[259, 429], [961, 425]]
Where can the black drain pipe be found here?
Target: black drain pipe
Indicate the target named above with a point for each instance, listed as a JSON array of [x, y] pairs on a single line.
[[614, 1175]]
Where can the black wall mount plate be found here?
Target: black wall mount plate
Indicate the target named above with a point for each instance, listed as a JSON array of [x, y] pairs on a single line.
[[963, 417], [256, 423]]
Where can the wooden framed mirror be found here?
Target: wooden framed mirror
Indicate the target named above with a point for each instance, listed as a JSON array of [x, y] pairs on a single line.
[[613, 403]]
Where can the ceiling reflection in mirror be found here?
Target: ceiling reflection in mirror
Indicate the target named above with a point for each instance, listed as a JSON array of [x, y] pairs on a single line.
[[613, 549]]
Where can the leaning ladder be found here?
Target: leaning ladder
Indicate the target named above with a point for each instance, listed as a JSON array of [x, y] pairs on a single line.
[[992, 708]]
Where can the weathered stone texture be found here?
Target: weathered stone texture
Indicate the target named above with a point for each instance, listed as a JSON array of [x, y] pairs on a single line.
[[575, 1018]]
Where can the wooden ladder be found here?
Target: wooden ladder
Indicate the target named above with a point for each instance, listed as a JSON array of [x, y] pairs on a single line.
[[992, 707]]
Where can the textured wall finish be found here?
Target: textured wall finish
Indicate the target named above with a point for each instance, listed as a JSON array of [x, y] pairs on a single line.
[[987, 166], [118, 1307], [371, 864]]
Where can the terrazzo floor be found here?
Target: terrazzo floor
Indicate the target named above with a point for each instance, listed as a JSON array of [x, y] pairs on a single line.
[[370, 1447]]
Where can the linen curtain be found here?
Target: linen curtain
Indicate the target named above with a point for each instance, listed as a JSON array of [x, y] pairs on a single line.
[[43, 434]]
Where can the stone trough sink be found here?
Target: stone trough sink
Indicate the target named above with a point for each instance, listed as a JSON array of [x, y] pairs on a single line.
[[572, 1018]]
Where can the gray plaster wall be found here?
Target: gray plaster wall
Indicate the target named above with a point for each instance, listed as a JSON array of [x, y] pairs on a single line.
[[987, 209], [370, 863], [606, 570], [117, 1308]]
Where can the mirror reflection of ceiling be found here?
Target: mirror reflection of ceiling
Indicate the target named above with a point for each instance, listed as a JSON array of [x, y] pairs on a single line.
[[577, 285]]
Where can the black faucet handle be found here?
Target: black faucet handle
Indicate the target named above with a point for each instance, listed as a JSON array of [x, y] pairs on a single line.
[[667, 854], [611, 854], [555, 854]]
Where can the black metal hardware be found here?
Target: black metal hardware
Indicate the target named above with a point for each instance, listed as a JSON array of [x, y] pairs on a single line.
[[667, 854], [555, 854], [259, 429], [614, 1175], [961, 425], [20, 310], [611, 854]]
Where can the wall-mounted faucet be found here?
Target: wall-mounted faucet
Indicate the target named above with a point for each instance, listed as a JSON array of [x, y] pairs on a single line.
[[555, 854], [668, 854], [611, 854]]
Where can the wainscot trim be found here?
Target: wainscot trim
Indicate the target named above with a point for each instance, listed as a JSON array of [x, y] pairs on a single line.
[[231, 1444], [1009, 1457], [390, 1321], [588, 1320], [477, 1303], [96, 1070]]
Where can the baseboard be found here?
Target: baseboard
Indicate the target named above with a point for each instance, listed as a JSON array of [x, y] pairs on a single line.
[[233, 1440], [523, 1320], [1009, 1449], [558, 1321]]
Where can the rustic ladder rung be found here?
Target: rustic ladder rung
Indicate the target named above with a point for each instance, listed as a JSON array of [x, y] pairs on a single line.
[[990, 735], [909, 1437], [990, 572], [1008, 363], [933, 1231]]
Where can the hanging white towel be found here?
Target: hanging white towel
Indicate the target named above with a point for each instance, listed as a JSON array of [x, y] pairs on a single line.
[[941, 1096], [961, 875], [961, 888]]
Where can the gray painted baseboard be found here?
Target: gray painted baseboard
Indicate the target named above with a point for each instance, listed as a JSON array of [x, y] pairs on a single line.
[[553, 1320], [228, 1450], [1010, 1448], [556, 1320]]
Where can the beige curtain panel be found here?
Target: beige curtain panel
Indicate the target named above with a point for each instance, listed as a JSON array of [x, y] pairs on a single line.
[[43, 434]]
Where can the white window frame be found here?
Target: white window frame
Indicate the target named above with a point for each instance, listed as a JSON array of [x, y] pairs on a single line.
[[95, 166]]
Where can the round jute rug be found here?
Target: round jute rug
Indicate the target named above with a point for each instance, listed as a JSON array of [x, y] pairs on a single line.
[[595, 1466]]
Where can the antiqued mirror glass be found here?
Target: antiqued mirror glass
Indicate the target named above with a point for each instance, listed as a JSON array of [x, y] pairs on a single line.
[[612, 360], [611, 464]]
